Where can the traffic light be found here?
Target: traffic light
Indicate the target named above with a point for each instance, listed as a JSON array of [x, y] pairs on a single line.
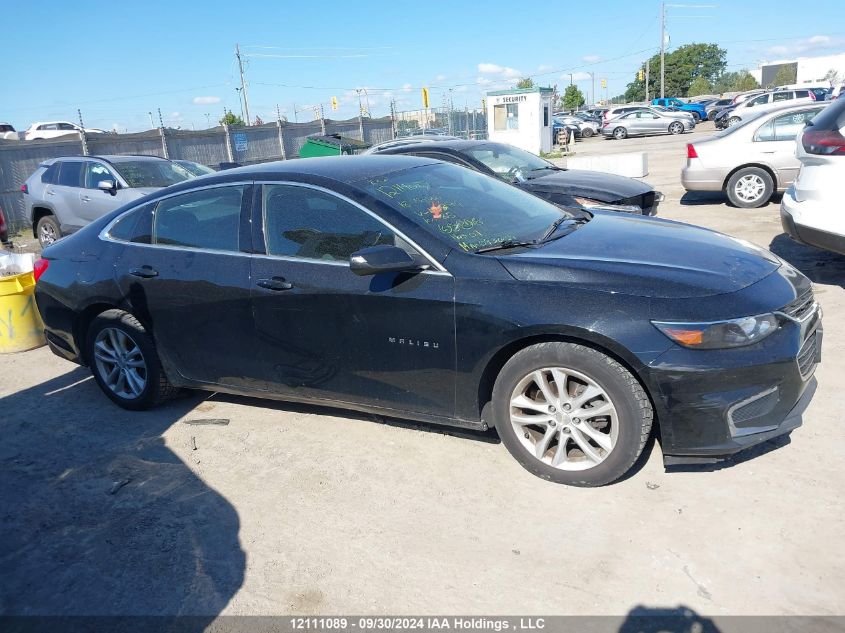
[[641, 75], [334, 103], [604, 83], [425, 97]]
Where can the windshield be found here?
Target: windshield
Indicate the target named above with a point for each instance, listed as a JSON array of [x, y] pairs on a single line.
[[508, 162], [464, 207], [151, 173], [195, 168]]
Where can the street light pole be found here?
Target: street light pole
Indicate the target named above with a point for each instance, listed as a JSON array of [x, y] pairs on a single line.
[[662, 50], [243, 83], [152, 125]]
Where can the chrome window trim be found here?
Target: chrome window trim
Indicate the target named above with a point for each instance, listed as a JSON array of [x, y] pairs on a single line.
[[380, 220], [104, 234]]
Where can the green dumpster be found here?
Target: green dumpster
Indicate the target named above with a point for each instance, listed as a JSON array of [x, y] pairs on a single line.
[[331, 145]]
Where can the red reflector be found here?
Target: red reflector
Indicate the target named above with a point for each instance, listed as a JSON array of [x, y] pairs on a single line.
[[24, 188], [2, 222], [812, 95], [824, 142], [39, 267], [691, 153]]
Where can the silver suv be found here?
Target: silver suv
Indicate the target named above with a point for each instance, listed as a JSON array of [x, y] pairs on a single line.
[[65, 194]]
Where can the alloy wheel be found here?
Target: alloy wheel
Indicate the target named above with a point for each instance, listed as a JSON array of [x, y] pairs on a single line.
[[120, 363], [750, 188], [676, 128], [46, 234], [564, 418]]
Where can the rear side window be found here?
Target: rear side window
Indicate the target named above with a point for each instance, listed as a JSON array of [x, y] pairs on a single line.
[[49, 175], [208, 219], [802, 94], [136, 226], [70, 173], [786, 96], [786, 126]]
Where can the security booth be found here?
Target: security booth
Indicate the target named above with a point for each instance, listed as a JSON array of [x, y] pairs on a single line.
[[521, 117]]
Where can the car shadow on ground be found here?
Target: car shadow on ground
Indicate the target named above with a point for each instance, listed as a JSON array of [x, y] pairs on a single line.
[[679, 619], [822, 267], [701, 198], [101, 518]]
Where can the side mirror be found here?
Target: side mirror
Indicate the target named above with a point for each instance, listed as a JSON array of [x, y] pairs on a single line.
[[654, 116], [383, 259], [107, 186]]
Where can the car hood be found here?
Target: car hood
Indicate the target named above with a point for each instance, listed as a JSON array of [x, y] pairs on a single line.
[[646, 257], [589, 184]]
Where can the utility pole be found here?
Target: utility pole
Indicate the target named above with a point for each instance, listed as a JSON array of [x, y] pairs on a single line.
[[243, 83], [208, 119], [570, 79], [647, 64], [593, 93], [662, 50], [152, 125]]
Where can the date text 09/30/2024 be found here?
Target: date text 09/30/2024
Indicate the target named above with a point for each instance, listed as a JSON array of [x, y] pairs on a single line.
[[409, 623]]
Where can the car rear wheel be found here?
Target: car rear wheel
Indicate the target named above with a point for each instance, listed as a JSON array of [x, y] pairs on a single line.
[[696, 117], [676, 128], [587, 132], [750, 188], [620, 133], [125, 362], [733, 121], [571, 414], [48, 230]]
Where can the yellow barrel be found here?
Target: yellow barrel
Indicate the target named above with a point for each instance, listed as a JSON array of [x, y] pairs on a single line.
[[20, 324]]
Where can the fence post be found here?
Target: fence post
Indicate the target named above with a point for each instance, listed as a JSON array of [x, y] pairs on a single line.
[[228, 140], [83, 138], [281, 138], [163, 142], [361, 125]]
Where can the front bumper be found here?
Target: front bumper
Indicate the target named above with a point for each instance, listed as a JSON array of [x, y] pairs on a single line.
[[716, 403]]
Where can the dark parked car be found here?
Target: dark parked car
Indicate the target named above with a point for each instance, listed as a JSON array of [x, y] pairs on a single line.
[[4, 228], [568, 187], [418, 289]]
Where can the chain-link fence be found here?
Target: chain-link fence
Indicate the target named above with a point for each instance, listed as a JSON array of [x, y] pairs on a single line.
[[467, 123], [248, 145]]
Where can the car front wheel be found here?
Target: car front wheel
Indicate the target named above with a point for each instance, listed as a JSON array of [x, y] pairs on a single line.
[[676, 128], [571, 414], [620, 133], [125, 362]]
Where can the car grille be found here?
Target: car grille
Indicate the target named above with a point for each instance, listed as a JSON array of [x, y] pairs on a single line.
[[807, 355], [801, 307], [756, 408]]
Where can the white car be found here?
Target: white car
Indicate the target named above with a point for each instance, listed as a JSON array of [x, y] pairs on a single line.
[[53, 129], [811, 210], [7, 132]]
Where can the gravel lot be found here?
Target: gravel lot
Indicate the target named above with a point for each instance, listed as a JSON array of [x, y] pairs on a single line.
[[298, 509]]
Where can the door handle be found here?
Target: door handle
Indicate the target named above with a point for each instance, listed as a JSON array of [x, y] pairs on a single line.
[[276, 283], [50, 192], [85, 199], [144, 272]]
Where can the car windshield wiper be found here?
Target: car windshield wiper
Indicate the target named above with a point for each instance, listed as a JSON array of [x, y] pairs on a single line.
[[557, 223], [505, 244], [548, 167]]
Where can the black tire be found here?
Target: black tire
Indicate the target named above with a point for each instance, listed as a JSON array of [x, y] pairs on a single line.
[[633, 408], [744, 202], [676, 127], [587, 132], [696, 117], [45, 226], [157, 388], [620, 133]]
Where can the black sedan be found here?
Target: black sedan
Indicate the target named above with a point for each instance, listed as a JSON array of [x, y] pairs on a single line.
[[568, 187], [418, 289]]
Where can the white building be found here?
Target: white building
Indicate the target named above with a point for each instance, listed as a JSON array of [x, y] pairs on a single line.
[[521, 117], [809, 70]]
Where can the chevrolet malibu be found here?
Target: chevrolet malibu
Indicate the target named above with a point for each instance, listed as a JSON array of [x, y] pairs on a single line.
[[418, 289]]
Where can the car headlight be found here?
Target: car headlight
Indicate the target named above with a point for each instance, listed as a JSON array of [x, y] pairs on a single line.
[[589, 203], [720, 334]]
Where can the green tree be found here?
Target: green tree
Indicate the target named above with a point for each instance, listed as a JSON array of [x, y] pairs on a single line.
[[832, 76], [745, 81], [699, 86], [735, 81], [683, 66], [232, 120], [786, 75], [573, 98], [525, 82]]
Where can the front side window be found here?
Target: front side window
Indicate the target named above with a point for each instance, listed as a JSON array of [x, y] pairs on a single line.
[[95, 173], [465, 208], [151, 173], [312, 224], [208, 219], [782, 96], [70, 173]]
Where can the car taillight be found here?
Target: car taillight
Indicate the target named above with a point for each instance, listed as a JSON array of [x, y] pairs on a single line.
[[812, 96], [24, 188], [825, 142], [39, 267], [2, 222], [691, 153]]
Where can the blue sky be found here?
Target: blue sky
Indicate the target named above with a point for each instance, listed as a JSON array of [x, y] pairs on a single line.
[[117, 61]]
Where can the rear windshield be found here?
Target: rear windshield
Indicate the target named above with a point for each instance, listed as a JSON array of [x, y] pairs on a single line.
[[5, 127], [151, 173], [832, 117]]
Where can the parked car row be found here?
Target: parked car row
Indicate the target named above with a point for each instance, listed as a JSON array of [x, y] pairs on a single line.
[[44, 130], [625, 121]]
